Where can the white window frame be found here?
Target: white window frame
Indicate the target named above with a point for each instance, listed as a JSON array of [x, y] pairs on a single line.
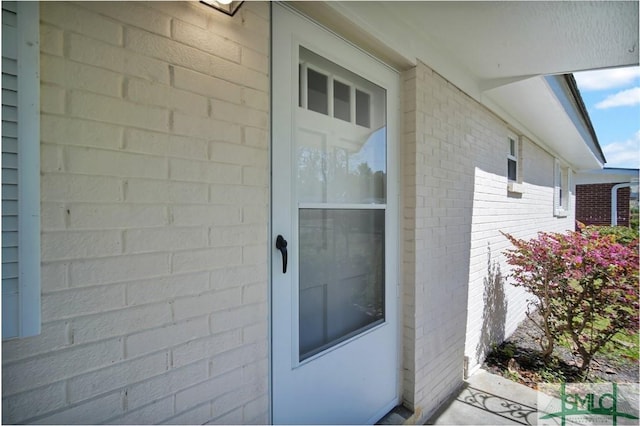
[[514, 186], [28, 58], [562, 180]]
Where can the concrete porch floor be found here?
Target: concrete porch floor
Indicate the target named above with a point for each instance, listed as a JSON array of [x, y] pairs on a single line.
[[489, 399], [484, 399]]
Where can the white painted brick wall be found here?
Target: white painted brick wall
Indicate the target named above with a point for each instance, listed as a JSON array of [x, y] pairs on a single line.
[[455, 204], [154, 218], [522, 217]]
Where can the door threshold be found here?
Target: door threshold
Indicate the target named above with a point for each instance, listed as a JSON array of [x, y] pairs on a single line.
[[398, 416]]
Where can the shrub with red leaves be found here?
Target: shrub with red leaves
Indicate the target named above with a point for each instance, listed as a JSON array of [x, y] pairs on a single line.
[[585, 285]]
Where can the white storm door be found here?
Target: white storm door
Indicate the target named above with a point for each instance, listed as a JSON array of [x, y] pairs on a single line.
[[334, 201]]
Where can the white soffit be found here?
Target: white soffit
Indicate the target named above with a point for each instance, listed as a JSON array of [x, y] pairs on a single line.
[[495, 40], [480, 45], [499, 39]]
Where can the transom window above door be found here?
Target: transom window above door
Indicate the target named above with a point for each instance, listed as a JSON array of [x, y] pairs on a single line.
[[323, 88]]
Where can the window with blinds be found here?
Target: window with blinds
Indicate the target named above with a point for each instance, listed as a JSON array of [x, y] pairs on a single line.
[[20, 170]]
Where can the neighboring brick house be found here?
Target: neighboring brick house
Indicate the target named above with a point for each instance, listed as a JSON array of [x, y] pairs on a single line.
[[291, 214], [593, 204], [594, 196]]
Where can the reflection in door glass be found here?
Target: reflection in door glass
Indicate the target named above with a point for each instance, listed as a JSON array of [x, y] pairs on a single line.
[[341, 275], [341, 173], [341, 155]]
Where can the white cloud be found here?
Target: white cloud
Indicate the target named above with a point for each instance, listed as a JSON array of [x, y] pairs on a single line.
[[624, 154], [607, 79], [629, 97]]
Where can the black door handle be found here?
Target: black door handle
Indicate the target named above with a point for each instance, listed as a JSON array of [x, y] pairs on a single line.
[[281, 244]]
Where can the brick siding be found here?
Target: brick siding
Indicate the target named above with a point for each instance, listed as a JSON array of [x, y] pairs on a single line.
[[593, 204], [455, 205], [154, 218]]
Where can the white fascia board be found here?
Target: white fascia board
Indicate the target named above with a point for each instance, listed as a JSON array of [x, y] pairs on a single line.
[[575, 110], [532, 107]]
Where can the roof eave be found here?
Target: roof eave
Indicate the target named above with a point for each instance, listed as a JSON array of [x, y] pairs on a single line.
[[592, 142]]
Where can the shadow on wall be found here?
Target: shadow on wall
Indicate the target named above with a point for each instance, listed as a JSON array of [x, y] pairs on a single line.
[[494, 313]]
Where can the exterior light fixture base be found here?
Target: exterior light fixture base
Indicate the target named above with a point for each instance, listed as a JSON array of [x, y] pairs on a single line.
[[228, 8]]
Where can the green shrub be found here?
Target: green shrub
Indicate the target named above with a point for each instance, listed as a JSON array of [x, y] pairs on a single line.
[[621, 234], [634, 219]]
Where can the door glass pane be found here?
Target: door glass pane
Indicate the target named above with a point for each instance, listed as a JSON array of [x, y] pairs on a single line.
[[341, 275], [340, 158], [317, 95], [341, 101], [342, 171], [362, 109]]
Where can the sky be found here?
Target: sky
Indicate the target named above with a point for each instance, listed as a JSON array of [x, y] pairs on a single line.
[[612, 98]]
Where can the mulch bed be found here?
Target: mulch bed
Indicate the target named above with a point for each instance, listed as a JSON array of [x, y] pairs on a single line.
[[519, 359]]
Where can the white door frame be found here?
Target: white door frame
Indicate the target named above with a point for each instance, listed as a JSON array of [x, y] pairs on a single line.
[[393, 202]]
